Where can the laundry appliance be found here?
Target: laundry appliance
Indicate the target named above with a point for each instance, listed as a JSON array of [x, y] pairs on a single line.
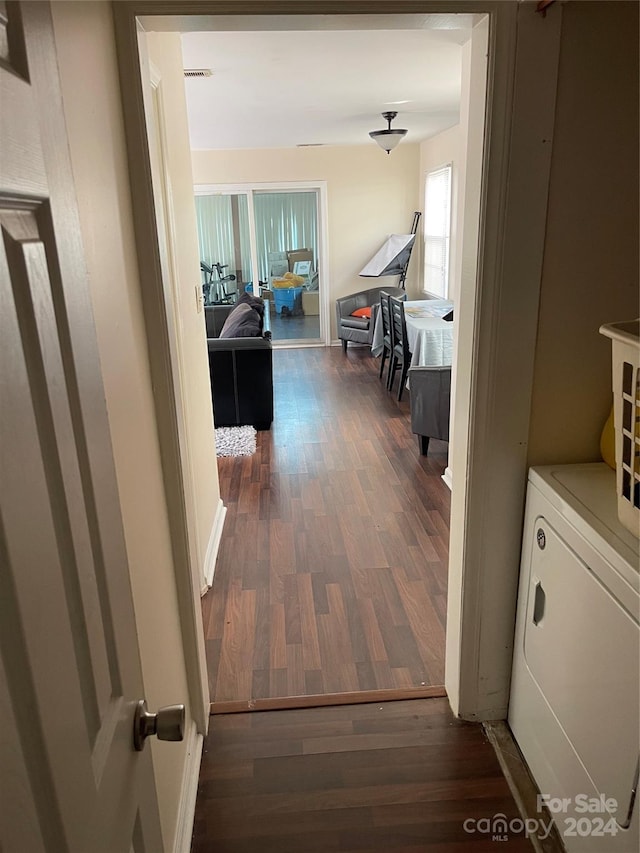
[[575, 694]]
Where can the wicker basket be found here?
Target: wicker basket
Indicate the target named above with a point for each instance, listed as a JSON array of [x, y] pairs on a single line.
[[625, 339]]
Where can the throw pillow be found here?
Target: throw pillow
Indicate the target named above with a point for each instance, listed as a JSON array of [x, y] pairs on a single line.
[[362, 312], [253, 301], [243, 322]]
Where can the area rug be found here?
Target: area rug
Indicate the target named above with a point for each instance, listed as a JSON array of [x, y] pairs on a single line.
[[235, 441]]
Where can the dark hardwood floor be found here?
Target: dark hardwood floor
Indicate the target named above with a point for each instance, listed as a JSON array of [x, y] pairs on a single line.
[[332, 570], [398, 777], [285, 328]]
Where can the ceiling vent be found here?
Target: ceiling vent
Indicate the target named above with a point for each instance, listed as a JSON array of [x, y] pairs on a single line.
[[198, 72]]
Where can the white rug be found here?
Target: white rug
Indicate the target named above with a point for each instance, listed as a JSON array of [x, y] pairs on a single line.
[[235, 441]]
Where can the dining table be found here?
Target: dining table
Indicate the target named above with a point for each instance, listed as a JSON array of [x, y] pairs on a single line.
[[430, 338]]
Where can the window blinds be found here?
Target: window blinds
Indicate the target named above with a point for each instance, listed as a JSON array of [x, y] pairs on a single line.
[[437, 228]]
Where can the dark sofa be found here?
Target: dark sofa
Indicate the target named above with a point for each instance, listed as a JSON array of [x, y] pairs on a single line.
[[241, 372]]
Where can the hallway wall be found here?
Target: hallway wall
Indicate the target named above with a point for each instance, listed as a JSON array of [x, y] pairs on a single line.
[[590, 272]]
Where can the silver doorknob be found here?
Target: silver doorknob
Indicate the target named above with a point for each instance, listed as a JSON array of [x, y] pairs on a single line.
[[167, 724]]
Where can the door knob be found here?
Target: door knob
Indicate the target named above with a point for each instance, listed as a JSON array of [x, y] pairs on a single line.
[[167, 724]]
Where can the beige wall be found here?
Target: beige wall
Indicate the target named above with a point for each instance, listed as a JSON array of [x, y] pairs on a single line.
[[462, 146], [472, 125], [590, 273], [165, 53], [87, 62], [370, 195]]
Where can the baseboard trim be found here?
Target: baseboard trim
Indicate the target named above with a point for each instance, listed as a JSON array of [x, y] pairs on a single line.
[[212, 547], [447, 478], [338, 343], [522, 785], [356, 697], [298, 345], [189, 791]]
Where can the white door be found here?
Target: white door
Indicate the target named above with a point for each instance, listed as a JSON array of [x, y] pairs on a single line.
[[70, 779]]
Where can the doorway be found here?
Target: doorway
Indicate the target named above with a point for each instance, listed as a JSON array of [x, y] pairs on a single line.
[[268, 240], [386, 192], [500, 322]]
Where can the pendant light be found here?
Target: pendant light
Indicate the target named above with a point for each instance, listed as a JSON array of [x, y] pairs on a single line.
[[388, 139]]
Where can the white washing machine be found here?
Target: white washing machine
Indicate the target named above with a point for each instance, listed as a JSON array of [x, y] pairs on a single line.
[[575, 692]]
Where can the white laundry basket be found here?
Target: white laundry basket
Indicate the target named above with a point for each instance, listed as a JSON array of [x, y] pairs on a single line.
[[625, 340]]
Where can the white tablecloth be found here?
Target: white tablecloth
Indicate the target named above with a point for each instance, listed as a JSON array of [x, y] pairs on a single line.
[[430, 338]]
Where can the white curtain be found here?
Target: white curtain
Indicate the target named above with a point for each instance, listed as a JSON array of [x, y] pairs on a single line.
[[285, 221], [215, 231]]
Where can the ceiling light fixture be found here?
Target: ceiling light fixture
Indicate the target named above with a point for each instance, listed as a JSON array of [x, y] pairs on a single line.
[[388, 139]]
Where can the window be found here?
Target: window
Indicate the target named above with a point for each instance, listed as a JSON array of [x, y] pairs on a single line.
[[437, 231], [281, 221]]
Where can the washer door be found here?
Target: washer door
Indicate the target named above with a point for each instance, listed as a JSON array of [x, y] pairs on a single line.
[[583, 650]]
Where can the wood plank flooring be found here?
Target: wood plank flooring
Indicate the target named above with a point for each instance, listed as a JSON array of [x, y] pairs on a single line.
[[331, 575], [398, 777]]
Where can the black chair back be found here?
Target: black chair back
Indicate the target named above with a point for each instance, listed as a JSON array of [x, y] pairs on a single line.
[[385, 313], [385, 316], [400, 353], [399, 340]]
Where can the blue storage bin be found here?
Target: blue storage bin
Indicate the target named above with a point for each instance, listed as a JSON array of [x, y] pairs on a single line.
[[287, 297]]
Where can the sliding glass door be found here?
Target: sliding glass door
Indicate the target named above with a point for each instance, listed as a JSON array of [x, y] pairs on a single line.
[[269, 240], [225, 245]]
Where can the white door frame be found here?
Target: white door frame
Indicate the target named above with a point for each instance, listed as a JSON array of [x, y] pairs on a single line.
[[498, 311], [172, 282], [323, 230], [491, 408], [164, 360]]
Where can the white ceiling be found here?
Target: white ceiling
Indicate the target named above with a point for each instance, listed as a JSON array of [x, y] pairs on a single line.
[[281, 89]]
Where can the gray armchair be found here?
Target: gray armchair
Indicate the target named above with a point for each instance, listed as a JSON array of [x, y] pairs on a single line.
[[430, 389], [359, 330]]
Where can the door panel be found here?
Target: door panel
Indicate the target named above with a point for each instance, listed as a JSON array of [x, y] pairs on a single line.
[[71, 670], [16, 794], [582, 649], [26, 259]]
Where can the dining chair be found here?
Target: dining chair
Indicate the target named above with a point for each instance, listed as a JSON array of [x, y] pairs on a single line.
[[385, 316], [400, 353], [430, 391]]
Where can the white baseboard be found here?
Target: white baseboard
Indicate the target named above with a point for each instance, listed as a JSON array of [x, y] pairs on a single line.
[[189, 790], [448, 477], [212, 548]]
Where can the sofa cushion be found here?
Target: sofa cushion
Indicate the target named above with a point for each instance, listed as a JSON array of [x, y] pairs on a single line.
[[243, 322], [354, 322]]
